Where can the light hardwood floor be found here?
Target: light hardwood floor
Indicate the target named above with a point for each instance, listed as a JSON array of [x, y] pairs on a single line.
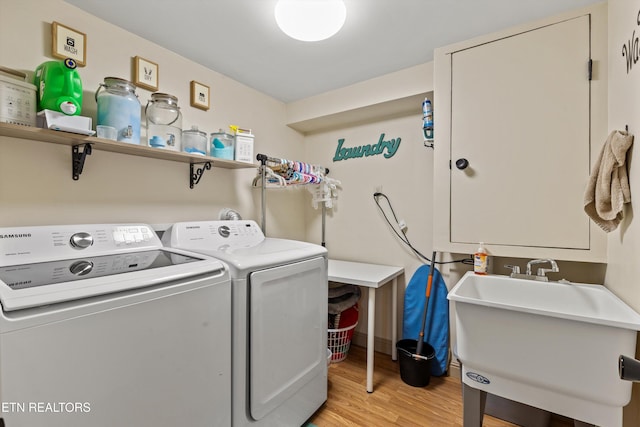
[[393, 403]]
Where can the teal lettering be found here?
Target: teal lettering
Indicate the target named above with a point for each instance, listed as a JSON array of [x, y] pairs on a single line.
[[383, 145], [376, 149], [344, 153], [394, 145], [348, 153], [358, 151], [339, 152]]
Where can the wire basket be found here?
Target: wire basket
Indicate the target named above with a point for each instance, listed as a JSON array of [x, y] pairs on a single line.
[[340, 342]]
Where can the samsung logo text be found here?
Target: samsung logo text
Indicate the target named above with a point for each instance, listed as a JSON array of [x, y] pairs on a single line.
[[14, 236]]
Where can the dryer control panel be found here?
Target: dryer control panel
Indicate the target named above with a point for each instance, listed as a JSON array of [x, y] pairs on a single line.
[[214, 234]]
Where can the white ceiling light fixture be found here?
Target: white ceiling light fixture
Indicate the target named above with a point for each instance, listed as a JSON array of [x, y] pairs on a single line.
[[310, 20]]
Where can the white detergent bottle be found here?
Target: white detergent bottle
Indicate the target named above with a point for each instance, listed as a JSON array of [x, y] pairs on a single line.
[[481, 260]]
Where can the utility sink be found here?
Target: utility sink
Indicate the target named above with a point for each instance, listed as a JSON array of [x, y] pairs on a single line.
[[551, 345]]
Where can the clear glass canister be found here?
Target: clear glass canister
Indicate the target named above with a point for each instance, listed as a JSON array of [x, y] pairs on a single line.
[[164, 122], [119, 107], [194, 141], [222, 145]]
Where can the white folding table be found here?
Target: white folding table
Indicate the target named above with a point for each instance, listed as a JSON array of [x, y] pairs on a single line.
[[371, 276]]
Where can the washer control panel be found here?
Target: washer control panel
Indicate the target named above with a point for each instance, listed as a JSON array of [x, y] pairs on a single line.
[[20, 245]]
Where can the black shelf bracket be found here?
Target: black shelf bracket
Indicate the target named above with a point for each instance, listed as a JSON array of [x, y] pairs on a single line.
[[194, 177], [78, 158]]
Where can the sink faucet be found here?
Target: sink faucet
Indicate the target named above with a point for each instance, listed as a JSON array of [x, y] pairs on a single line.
[[540, 274], [541, 271]]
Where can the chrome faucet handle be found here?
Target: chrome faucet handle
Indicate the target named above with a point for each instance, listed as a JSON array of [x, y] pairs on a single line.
[[515, 269], [541, 271]]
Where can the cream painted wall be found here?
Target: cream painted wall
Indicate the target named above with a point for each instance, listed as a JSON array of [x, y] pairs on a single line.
[[35, 178], [355, 228], [392, 95], [624, 109]]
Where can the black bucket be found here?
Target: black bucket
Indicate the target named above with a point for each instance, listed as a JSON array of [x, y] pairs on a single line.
[[415, 369]]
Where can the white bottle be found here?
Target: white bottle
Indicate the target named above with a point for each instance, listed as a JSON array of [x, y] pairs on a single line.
[[481, 260]]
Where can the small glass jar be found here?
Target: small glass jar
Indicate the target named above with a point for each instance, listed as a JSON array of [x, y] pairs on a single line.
[[119, 107], [164, 122], [222, 145], [194, 141]]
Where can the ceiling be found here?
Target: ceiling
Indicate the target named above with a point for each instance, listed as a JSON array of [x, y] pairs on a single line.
[[240, 39]]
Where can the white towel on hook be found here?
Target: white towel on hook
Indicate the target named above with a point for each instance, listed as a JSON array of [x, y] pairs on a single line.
[[608, 186]]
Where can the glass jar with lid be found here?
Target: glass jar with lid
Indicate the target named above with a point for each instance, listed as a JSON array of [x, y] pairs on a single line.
[[119, 107], [164, 122], [222, 145], [194, 141]]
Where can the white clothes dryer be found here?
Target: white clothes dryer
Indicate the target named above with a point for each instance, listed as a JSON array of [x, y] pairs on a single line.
[[279, 330], [101, 326]]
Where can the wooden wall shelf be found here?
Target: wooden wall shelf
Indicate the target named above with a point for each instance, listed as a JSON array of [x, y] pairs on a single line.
[[71, 139], [75, 140]]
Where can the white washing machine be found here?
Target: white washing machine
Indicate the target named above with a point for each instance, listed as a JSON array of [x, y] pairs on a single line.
[[101, 326], [279, 330]]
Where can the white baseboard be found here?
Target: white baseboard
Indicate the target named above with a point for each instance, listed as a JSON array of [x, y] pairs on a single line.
[[380, 344]]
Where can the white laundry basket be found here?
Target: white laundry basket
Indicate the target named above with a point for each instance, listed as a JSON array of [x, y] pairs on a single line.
[[340, 342]]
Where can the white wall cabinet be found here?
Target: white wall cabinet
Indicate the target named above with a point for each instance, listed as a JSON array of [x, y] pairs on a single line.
[[518, 118]]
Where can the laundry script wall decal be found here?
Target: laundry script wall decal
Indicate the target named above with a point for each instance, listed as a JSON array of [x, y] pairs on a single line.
[[631, 50], [386, 148]]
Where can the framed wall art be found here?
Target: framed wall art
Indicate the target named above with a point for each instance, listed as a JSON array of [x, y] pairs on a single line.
[[69, 43], [199, 95], [145, 74]]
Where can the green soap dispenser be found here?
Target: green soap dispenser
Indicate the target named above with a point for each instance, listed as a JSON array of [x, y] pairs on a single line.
[[59, 87]]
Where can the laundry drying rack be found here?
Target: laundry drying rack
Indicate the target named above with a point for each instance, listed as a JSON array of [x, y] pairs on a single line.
[[280, 173]]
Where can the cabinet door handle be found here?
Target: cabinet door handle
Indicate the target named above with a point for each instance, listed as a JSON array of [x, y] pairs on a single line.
[[462, 164]]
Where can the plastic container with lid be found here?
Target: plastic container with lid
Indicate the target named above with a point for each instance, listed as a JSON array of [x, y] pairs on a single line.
[[222, 145], [164, 122], [17, 98], [59, 87], [194, 141], [119, 107]]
